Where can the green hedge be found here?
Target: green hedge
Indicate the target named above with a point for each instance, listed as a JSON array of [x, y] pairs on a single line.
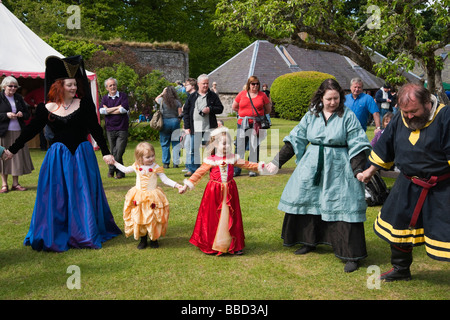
[[142, 132], [291, 93]]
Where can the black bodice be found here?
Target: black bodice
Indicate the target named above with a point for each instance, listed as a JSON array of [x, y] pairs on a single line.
[[71, 130]]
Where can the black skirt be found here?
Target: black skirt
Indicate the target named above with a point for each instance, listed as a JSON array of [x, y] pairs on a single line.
[[347, 239]]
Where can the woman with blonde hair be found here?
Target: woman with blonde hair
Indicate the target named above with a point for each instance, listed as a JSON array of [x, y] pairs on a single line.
[[250, 103], [219, 228], [146, 208]]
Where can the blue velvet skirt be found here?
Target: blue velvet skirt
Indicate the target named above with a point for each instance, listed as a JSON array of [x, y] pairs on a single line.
[[71, 210]]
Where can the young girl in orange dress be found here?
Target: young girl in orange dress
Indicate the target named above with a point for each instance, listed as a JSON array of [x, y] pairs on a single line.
[[146, 208], [219, 228]]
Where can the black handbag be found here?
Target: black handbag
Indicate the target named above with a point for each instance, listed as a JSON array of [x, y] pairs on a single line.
[[262, 120]]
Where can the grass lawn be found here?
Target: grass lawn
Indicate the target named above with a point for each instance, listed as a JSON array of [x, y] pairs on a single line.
[[179, 271]]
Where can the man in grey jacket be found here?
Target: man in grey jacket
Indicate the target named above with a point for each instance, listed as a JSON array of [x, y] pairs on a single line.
[[199, 118]]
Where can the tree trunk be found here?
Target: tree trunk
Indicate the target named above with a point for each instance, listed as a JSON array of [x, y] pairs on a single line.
[[434, 78], [440, 91]]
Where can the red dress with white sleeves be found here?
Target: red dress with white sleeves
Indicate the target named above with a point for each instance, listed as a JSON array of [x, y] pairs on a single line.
[[219, 227]]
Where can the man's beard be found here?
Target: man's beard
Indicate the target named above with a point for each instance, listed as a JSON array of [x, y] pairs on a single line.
[[417, 123]]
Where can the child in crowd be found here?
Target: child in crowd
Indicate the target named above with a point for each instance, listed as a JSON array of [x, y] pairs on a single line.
[[219, 227], [386, 119], [146, 208]]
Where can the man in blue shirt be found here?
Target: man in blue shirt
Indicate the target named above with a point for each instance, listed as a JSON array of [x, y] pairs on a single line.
[[362, 104]]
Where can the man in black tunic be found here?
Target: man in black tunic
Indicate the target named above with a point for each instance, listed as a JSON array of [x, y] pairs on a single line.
[[417, 210]]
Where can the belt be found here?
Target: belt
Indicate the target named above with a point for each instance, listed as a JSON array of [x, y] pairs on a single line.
[[318, 173], [426, 184]]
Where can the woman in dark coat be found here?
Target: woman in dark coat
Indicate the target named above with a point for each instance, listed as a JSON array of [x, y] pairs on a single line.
[[13, 112]]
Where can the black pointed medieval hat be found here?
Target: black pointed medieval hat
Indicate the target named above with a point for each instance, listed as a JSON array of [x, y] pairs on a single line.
[[64, 68]]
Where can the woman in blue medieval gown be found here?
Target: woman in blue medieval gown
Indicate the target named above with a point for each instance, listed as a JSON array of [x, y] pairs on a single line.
[[71, 210]]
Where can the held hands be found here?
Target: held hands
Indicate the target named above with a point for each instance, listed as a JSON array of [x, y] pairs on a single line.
[[181, 189], [366, 174], [109, 159], [271, 168], [360, 177]]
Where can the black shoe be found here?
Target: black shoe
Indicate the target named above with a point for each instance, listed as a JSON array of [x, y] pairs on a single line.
[[110, 174], [143, 243], [351, 266], [305, 249], [188, 174], [175, 166], [166, 166], [120, 176], [154, 244], [396, 274]]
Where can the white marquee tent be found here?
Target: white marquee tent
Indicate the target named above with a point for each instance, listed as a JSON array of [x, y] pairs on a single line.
[[23, 53]]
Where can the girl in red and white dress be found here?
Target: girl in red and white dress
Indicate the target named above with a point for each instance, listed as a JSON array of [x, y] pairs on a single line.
[[146, 208], [219, 228]]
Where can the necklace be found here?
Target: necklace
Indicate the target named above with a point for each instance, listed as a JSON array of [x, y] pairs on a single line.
[[65, 108]]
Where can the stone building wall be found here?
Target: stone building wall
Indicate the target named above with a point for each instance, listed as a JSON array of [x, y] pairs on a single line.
[[227, 101], [175, 66], [173, 63]]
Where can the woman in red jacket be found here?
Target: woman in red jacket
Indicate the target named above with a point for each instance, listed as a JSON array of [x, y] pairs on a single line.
[[250, 103]]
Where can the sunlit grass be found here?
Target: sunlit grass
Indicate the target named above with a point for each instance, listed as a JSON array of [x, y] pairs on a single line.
[[177, 270]]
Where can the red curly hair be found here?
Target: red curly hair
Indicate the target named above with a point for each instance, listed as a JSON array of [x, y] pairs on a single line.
[[56, 92]]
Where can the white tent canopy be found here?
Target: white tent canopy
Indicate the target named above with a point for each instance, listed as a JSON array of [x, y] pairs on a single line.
[[23, 53]]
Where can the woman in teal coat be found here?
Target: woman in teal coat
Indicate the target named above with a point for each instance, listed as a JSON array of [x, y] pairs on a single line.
[[323, 200]]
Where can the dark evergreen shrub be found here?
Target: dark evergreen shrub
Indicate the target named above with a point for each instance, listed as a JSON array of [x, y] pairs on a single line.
[[291, 93]]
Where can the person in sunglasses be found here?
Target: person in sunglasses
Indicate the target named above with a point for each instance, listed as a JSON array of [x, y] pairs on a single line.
[[249, 103], [13, 112]]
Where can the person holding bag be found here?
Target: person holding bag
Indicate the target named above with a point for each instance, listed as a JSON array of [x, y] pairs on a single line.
[[171, 109], [251, 104]]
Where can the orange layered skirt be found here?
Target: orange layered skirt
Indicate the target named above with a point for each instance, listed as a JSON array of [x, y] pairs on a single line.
[[146, 213]]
